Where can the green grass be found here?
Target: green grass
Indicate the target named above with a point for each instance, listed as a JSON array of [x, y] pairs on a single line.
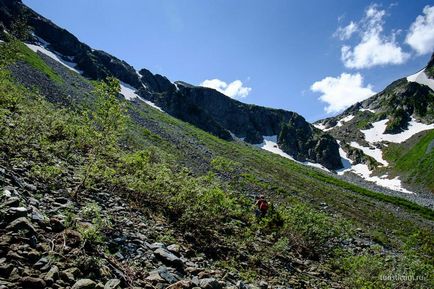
[[18, 51], [413, 161]]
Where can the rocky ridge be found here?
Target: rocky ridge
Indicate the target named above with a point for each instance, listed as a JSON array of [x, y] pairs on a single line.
[[203, 107]]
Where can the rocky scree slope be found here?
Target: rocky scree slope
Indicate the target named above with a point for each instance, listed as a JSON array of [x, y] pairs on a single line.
[[202, 107]]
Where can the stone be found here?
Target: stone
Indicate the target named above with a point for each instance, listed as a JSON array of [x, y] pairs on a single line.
[[263, 285], [174, 248], [209, 283], [183, 284], [242, 285], [70, 274], [12, 201], [53, 274], [112, 284], [38, 217], [21, 224], [168, 258], [32, 283], [72, 238], [57, 224], [84, 284], [155, 246], [154, 277], [41, 263]]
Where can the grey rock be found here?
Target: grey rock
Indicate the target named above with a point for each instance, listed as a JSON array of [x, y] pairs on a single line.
[[174, 248], [32, 283], [263, 285], [155, 246], [21, 224], [112, 284], [168, 258], [209, 283], [16, 212], [12, 201], [84, 284], [53, 273], [41, 263], [162, 274]]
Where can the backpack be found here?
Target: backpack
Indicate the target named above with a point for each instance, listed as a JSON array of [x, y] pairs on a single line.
[[263, 206]]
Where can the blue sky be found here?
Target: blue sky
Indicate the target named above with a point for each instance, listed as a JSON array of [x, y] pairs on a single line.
[[275, 53]]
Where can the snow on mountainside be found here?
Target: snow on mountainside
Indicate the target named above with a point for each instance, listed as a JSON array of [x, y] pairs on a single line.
[[421, 78], [366, 129], [127, 90], [68, 64], [376, 133], [270, 144], [129, 93]]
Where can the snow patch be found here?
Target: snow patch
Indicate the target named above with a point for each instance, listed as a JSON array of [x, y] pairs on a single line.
[[315, 165], [375, 153], [54, 56], [367, 109], [322, 127], [345, 119], [363, 171], [129, 93], [376, 133], [270, 144], [346, 161], [421, 78]]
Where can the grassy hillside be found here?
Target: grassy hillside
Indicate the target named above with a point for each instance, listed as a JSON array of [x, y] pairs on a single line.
[[203, 185], [414, 159]]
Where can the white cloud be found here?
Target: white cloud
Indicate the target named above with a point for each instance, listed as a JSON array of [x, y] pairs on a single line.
[[374, 48], [342, 91], [344, 33], [235, 89], [421, 34]]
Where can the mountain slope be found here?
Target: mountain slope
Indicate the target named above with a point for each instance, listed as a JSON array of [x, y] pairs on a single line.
[[147, 172], [384, 122], [203, 107], [153, 201]]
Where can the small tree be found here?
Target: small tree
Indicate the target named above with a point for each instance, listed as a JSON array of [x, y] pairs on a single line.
[[105, 124]]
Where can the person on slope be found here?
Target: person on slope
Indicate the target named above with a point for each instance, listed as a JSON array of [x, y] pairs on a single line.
[[261, 206]]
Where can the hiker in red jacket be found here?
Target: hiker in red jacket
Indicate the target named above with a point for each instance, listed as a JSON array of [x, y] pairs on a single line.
[[262, 206]]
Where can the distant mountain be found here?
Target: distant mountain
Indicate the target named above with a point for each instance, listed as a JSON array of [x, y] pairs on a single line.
[[203, 107], [376, 134]]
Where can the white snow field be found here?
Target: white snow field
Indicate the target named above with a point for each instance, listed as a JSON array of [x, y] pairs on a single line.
[[270, 144], [373, 152], [363, 171], [322, 127], [421, 78], [57, 57], [129, 93], [376, 134], [367, 109], [345, 119]]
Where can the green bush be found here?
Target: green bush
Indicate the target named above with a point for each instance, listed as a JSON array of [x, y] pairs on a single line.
[[311, 233]]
